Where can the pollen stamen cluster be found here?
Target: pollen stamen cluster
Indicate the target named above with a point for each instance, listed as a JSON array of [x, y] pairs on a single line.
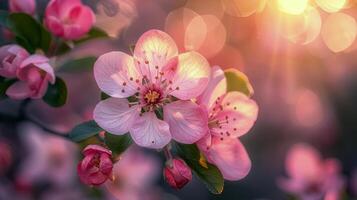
[[152, 92], [222, 124]]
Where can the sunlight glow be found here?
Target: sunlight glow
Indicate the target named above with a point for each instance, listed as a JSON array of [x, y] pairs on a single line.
[[242, 8], [331, 6], [294, 7]]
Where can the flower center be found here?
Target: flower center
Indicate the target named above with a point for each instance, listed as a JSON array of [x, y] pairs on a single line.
[[152, 97]]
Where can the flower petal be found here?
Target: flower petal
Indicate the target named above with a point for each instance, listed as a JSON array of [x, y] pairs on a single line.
[[114, 73], [230, 156], [191, 77], [115, 116], [216, 87], [188, 121], [93, 148], [149, 131], [19, 90], [153, 50], [303, 162], [237, 115]]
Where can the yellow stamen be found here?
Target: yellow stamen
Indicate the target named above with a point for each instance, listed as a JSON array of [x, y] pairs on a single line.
[[151, 96]]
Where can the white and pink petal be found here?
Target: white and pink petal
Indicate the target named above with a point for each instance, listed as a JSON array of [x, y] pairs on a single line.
[[151, 132], [230, 156], [188, 121], [235, 114], [216, 87], [115, 115], [191, 76], [153, 51], [116, 74]]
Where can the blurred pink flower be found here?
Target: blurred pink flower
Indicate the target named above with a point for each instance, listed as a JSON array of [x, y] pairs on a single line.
[[157, 76], [48, 157], [96, 167], [11, 57], [177, 174], [134, 175], [5, 156], [34, 74], [230, 115], [26, 6], [69, 19], [311, 178]]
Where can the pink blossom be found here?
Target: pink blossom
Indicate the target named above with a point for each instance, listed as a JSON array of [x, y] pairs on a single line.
[[96, 167], [155, 77], [69, 19], [48, 158], [311, 178], [230, 115], [11, 56], [6, 156], [34, 74], [134, 176], [177, 174], [26, 6]]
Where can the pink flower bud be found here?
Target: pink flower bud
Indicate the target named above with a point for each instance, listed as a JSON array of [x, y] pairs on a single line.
[[11, 56], [34, 74], [5, 157], [26, 6], [96, 167], [69, 19], [178, 174]]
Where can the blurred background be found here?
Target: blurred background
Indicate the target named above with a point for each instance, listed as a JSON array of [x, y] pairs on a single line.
[[300, 57]]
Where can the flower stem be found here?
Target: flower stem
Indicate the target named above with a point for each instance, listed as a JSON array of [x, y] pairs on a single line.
[[168, 155], [44, 127]]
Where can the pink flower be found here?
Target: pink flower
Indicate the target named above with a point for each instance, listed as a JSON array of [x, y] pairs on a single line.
[[96, 167], [34, 74], [177, 174], [48, 158], [230, 115], [26, 6], [69, 19], [311, 178], [134, 176], [5, 156], [155, 78], [11, 56]]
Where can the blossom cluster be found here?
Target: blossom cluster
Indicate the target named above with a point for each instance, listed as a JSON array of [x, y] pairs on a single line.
[[177, 103]]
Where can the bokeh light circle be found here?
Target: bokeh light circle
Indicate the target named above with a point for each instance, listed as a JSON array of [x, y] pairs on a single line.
[[242, 8], [205, 34], [294, 7], [331, 6], [339, 31]]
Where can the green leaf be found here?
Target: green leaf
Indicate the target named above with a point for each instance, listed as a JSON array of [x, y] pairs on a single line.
[[4, 84], [237, 81], [117, 143], [208, 173], [56, 94], [3, 17], [62, 48], [81, 64], [94, 33], [104, 96], [28, 32], [84, 131]]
